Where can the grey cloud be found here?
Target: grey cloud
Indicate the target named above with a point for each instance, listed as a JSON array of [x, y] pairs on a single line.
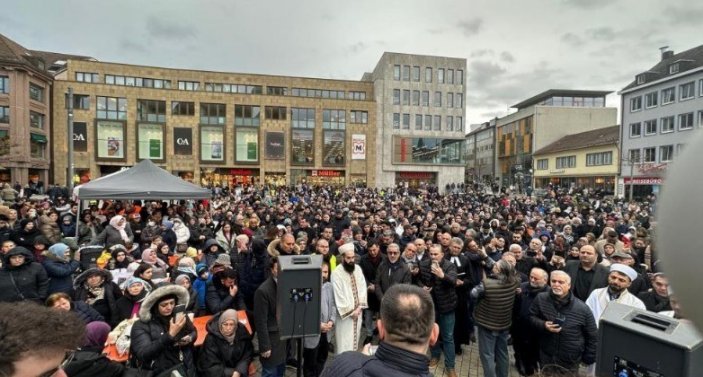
[[601, 34], [588, 4], [507, 57], [482, 52], [684, 15], [483, 73], [470, 27], [572, 39], [166, 29]]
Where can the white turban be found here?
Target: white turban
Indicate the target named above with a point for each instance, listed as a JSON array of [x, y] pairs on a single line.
[[624, 269]]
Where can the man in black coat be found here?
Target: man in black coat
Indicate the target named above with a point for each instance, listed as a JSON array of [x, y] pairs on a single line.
[[586, 275], [391, 271], [369, 264], [464, 325], [272, 349], [657, 299], [223, 292], [525, 337], [21, 278], [568, 333], [406, 330]]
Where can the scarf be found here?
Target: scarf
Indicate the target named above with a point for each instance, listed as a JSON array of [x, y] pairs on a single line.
[[148, 256], [114, 222], [560, 302], [227, 315], [94, 294]]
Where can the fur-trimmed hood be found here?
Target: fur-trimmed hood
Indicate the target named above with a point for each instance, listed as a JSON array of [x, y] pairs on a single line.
[[182, 297], [273, 248], [80, 279]]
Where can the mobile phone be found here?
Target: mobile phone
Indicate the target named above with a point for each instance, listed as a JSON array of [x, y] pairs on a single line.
[[179, 311], [559, 320]]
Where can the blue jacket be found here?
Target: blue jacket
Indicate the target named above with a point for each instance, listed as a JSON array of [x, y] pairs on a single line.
[[60, 273], [200, 286]]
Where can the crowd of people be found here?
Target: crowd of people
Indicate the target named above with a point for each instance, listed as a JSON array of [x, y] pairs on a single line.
[[498, 268]]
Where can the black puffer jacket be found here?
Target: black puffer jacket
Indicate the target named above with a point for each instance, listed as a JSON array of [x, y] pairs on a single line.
[[218, 298], [443, 290], [577, 340], [26, 282], [219, 358], [85, 312], [151, 345], [107, 307], [388, 361]]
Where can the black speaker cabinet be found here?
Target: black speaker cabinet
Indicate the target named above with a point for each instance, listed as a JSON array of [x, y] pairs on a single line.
[[299, 288], [633, 342]]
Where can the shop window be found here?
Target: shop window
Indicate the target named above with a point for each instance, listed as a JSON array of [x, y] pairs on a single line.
[[212, 143], [37, 145], [110, 140], [151, 141], [247, 146]]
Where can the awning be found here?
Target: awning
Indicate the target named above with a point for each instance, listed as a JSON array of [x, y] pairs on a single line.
[[37, 138]]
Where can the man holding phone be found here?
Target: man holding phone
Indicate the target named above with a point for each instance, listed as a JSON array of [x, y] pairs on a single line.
[[568, 333]]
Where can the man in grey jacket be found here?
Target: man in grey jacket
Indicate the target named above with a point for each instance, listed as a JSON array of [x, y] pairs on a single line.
[[316, 347]]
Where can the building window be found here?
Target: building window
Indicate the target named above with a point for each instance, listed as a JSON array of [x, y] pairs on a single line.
[[276, 90], [666, 153], [150, 141], [36, 120], [112, 108], [650, 127], [396, 72], [110, 140], [137, 81], [416, 73], [437, 123], [356, 95], [213, 113], [247, 89], [424, 150], [396, 120], [334, 119], [182, 108], [543, 164], [272, 112], [450, 100], [428, 122], [686, 121], [358, 116], [636, 104], [250, 116], [302, 118], [667, 124], [151, 111], [86, 77], [246, 146], [319, 93], [37, 145], [450, 76], [651, 99], [80, 101], [188, 85], [459, 124], [425, 98], [650, 154], [4, 143], [36, 93], [679, 148], [406, 121], [566, 162], [406, 97], [700, 87], [668, 95], [416, 98], [599, 159], [4, 114], [438, 99], [674, 68], [700, 118], [459, 76], [212, 140], [450, 123], [428, 74], [396, 96], [418, 122], [688, 90], [333, 148], [459, 100], [406, 73], [440, 75], [302, 147], [640, 79], [635, 156], [4, 84]]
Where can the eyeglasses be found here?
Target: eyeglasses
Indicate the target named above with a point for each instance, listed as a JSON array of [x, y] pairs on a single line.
[[67, 359]]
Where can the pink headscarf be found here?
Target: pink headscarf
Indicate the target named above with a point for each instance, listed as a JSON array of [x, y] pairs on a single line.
[[115, 223], [148, 256]]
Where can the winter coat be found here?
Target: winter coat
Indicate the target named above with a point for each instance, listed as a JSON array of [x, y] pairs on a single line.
[[274, 248], [577, 340], [60, 272], [386, 277], [181, 230], [110, 236], [229, 245], [26, 282], [107, 307], [8, 194], [327, 313], [369, 269], [267, 329], [151, 345], [169, 237], [149, 233], [252, 271], [443, 290], [49, 229], [218, 358], [86, 312], [25, 238], [208, 256], [90, 363], [218, 298], [387, 361]]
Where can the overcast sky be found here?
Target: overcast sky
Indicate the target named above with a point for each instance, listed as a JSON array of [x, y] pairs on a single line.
[[514, 48]]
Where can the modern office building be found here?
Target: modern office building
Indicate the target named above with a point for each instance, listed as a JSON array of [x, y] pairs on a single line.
[[420, 114], [480, 157], [584, 160], [661, 109], [542, 120]]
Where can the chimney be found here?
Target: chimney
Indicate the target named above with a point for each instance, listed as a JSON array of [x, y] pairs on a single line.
[[666, 54]]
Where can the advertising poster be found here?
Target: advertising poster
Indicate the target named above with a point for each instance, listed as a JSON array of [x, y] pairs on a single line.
[[275, 146], [358, 147]]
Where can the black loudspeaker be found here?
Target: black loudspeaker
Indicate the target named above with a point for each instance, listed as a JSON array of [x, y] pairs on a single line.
[[633, 342], [90, 255], [299, 288]]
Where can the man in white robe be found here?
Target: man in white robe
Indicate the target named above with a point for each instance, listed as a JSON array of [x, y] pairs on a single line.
[[619, 279], [349, 288]]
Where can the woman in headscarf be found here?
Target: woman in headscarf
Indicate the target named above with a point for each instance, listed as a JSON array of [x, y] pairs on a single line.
[[184, 281], [163, 252], [227, 348], [25, 235], [96, 288], [49, 227], [159, 268], [161, 341], [117, 232], [135, 291], [145, 271], [60, 268], [88, 230], [88, 360], [226, 238]]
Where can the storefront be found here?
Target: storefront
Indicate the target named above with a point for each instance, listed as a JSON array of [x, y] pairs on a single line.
[[275, 179], [642, 186], [415, 178], [6, 176], [228, 177], [602, 183], [318, 177], [358, 180]]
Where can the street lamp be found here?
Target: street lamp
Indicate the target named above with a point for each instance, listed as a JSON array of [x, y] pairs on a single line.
[[69, 110]]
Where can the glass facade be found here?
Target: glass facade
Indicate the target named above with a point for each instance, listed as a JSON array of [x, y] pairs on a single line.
[[423, 150]]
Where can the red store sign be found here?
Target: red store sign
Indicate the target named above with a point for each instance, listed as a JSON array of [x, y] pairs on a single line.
[[327, 173], [644, 181], [242, 172], [415, 175]]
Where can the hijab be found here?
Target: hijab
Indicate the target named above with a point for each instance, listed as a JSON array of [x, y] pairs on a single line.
[[148, 256], [227, 315], [115, 223], [96, 334]]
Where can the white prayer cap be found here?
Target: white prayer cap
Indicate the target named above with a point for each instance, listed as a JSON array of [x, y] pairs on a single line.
[[624, 269]]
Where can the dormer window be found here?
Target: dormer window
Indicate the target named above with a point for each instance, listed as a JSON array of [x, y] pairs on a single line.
[[674, 68], [640, 79]]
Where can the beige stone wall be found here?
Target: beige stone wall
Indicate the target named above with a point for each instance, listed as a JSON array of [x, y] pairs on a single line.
[[87, 160]]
